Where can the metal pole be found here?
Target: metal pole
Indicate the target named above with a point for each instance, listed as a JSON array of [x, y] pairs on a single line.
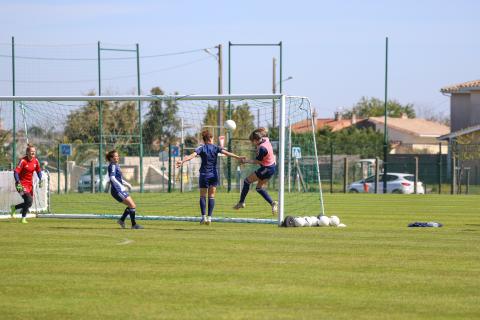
[[229, 162], [140, 129], [376, 175], [440, 168], [169, 168], [220, 107], [416, 176], [274, 90], [385, 132], [345, 174], [281, 191], [281, 65], [182, 154], [14, 133], [66, 174], [58, 168], [331, 167], [100, 122], [92, 176], [453, 182]]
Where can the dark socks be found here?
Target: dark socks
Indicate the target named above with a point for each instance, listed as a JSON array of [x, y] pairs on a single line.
[[132, 216], [203, 205], [245, 189], [211, 205], [125, 214], [265, 195]]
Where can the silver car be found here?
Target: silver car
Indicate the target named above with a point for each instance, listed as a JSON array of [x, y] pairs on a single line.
[[85, 181], [396, 183]]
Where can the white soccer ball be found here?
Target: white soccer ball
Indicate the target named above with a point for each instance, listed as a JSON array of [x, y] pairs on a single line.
[[230, 125], [334, 221], [308, 222], [300, 221], [324, 221], [314, 221]]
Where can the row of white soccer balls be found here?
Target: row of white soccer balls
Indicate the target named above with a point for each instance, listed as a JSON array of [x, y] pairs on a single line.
[[320, 221]]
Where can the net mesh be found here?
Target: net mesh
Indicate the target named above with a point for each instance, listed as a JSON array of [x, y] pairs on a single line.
[[170, 129]]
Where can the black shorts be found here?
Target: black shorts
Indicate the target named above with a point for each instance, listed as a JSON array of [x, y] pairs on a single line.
[[264, 173]]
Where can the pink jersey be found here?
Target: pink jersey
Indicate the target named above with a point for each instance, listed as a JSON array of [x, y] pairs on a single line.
[[269, 159]]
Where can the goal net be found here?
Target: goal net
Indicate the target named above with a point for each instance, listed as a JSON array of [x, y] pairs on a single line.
[[72, 135], [9, 195]]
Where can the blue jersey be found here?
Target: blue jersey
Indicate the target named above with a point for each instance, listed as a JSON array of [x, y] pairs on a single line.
[[208, 152], [116, 179]]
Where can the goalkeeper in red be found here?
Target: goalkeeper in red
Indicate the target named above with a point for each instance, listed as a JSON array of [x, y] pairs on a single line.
[[23, 175]]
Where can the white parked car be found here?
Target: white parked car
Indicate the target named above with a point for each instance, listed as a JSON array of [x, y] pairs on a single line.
[[396, 183]]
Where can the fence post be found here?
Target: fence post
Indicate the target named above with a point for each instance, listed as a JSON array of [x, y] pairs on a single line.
[[416, 176], [92, 176], [440, 168], [66, 175], [169, 168], [181, 168], [345, 174], [376, 174], [331, 167], [467, 185], [453, 182], [58, 168]]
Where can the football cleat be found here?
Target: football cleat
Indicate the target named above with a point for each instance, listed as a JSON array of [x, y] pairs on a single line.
[[121, 223], [137, 226], [274, 207], [24, 220], [203, 220], [239, 205], [208, 221], [12, 211]]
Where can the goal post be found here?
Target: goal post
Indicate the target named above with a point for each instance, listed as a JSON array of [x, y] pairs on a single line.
[[66, 119]]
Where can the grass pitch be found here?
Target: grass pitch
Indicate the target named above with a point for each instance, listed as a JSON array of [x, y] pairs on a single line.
[[376, 268]]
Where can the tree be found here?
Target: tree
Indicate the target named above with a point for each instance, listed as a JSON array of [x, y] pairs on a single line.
[[244, 120], [119, 125], [373, 107], [161, 123], [240, 114]]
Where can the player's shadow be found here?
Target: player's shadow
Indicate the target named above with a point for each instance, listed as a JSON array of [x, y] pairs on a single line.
[[194, 230], [78, 228]]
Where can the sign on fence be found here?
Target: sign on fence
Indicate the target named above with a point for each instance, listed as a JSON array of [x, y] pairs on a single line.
[[296, 152], [66, 150]]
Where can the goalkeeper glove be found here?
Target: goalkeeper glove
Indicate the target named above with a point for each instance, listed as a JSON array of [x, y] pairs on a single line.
[[19, 187], [40, 184]]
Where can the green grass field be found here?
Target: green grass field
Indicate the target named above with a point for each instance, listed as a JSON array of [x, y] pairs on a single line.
[[376, 268]]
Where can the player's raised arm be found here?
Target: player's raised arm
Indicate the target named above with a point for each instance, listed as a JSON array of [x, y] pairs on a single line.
[[186, 159], [233, 155]]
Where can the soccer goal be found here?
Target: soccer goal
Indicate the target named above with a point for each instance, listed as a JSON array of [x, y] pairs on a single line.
[[9, 195], [151, 133]]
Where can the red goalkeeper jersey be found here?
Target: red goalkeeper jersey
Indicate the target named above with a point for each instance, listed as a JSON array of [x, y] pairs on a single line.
[[25, 169]]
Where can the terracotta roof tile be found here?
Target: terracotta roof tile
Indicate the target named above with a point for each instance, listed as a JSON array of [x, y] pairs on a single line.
[[416, 126], [462, 87], [336, 125]]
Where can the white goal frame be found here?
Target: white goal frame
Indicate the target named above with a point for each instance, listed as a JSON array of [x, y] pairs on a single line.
[[281, 126]]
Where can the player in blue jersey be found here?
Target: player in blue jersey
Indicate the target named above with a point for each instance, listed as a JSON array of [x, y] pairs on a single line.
[[208, 179], [118, 190]]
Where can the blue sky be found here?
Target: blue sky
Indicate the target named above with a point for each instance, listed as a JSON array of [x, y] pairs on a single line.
[[335, 51]]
